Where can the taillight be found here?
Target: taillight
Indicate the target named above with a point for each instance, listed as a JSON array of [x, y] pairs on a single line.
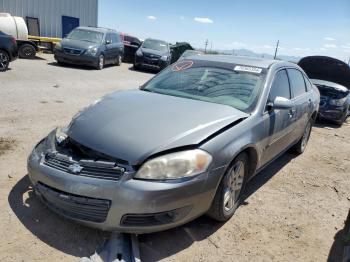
[[13, 40]]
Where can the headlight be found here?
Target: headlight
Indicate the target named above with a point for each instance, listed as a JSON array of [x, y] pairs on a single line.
[[337, 102], [175, 165], [92, 51], [61, 135], [164, 58], [58, 46], [139, 52]]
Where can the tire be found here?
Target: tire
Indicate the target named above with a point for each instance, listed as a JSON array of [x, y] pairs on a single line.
[[100, 62], [232, 185], [136, 67], [4, 60], [119, 60], [300, 147], [26, 51]]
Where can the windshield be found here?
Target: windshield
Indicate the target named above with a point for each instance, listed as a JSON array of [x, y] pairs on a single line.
[[217, 84], [86, 35], [155, 45]]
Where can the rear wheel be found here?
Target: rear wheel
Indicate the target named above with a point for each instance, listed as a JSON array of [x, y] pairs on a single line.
[[27, 51], [229, 193], [4, 61], [300, 147]]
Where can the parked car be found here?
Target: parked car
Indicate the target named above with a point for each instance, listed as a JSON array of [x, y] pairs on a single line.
[[90, 46], [153, 54], [131, 44], [188, 53], [186, 143], [332, 77], [8, 50], [335, 101], [178, 49]]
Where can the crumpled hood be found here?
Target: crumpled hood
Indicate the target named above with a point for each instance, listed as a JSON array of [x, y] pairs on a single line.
[[133, 125]]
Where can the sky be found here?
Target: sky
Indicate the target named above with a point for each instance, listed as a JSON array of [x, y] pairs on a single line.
[[303, 27]]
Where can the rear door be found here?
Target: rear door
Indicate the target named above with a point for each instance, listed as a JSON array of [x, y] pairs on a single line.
[[301, 100], [117, 45], [279, 122]]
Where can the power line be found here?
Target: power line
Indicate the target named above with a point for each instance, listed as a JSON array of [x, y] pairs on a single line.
[[278, 42], [206, 44]]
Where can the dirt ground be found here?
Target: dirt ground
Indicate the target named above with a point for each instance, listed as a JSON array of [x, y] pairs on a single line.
[[294, 210]]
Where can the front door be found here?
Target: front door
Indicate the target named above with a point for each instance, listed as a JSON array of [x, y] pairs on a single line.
[[68, 24], [279, 123]]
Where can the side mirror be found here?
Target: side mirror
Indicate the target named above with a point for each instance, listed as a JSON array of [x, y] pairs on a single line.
[[280, 103], [108, 42]]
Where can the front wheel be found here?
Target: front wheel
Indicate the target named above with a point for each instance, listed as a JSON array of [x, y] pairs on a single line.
[[4, 61], [229, 193], [101, 62], [300, 147], [119, 60]]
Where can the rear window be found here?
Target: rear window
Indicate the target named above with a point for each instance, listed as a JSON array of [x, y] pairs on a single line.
[[211, 82]]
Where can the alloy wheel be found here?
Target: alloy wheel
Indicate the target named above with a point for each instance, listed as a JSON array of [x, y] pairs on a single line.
[[4, 61], [306, 136], [101, 61], [233, 185]]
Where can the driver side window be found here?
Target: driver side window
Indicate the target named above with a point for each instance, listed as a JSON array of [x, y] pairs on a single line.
[[280, 86]]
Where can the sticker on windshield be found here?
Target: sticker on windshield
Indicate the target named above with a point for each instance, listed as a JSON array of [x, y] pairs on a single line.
[[249, 69], [182, 65]]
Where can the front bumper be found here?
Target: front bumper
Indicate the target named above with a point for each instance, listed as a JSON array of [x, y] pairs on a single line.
[[334, 113], [82, 59], [150, 63], [134, 206]]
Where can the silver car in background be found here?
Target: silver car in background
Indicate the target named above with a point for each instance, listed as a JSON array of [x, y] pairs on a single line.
[[185, 144]]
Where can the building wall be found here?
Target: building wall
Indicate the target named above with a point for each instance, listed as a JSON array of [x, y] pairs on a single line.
[[50, 12]]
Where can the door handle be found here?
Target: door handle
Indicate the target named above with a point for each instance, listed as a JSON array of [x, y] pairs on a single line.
[[291, 112]]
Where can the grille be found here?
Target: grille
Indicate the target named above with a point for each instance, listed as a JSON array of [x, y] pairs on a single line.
[[90, 168], [74, 206], [151, 56], [73, 51]]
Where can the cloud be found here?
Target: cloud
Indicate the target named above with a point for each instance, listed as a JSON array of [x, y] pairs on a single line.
[[323, 49], [329, 46], [347, 46], [182, 18], [236, 45], [328, 38], [151, 17], [301, 49], [204, 20]]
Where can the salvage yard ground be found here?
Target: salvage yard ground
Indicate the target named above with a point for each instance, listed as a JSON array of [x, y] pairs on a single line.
[[294, 210]]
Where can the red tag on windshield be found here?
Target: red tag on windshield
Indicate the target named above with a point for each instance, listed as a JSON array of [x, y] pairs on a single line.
[[182, 65]]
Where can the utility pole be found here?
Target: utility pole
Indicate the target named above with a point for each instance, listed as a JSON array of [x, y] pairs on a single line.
[[233, 51], [349, 62], [211, 46], [205, 48], [278, 42]]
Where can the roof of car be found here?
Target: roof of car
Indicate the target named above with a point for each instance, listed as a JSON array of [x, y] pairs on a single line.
[[329, 84], [97, 29], [248, 61]]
